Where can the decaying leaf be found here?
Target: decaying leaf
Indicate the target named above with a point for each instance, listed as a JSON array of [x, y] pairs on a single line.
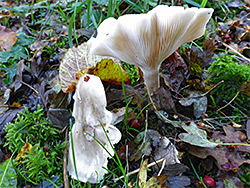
[[78, 61], [196, 136], [199, 101], [144, 143], [24, 151], [245, 88], [167, 150], [227, 157], [225, 160], [108, 70], [228, 180], [248, 128], [178, 182], [38, 46], [7, 38], [153, 182], [142, 175], [175, 70], [75, 60], [199, 59]]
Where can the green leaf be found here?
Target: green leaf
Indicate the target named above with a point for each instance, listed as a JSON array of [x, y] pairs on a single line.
[[8, 177]]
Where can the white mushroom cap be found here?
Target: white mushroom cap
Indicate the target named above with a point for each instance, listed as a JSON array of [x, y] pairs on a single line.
[[89, 110], [146, 40]]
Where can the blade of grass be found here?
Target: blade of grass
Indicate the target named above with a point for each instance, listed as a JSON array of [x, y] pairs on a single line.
[[73, 151], [197, 175], [110, 7], [118, 159], [6, 169], [203, 3], [192, 3], [117, 8], [118, 162], [89, 5], [94, 21], [70, 31], [134, 5]]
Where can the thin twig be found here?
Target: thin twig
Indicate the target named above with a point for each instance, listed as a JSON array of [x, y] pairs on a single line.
[[137, 170], [227, 117], [127, 160], [65, 176], [30, 87], [212, 88], [234, 144], [162, 167], [229, 102], [235, 51]]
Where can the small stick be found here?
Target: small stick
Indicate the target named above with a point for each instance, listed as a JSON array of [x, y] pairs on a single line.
[[30, 87], [137, 170], [227, 117], [229, 102], [235, 51], [212, 88], [162, 167], [127, 160], [65, 176]]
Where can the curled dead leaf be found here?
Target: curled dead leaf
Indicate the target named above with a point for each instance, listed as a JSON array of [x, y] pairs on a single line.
[[7, 38], [78, 61]]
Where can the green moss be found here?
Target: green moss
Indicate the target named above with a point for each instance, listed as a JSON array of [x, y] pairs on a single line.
[[233, 74], [34, 128]]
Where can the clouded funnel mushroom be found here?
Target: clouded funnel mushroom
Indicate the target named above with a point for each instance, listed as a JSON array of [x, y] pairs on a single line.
[[89, 110], [146, 40]]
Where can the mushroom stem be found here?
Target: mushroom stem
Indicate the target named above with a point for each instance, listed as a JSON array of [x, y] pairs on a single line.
[[151, 79]]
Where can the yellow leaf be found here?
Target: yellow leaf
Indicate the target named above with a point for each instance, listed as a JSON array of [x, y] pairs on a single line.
[[155, 182], [16, 104], [142, 175], [108, 70], [78, 61], [24, 151]]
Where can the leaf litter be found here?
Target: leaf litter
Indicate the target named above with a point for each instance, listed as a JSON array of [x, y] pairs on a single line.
[[34, 78]]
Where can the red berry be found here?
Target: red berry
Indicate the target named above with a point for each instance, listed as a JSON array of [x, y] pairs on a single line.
[[5, 157], [209, 181], [135, 124], [227, 36]]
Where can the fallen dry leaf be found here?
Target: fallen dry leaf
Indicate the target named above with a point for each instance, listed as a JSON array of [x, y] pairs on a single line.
[[153, 182], [199, 101], [7, 38], [78, 61], [245, 88], [108, 70], [142, 175], [229, 178], [24, 151], [165, 149], [196, 136], [156, 182], [175, 70], [227, 157], [144, 145]]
